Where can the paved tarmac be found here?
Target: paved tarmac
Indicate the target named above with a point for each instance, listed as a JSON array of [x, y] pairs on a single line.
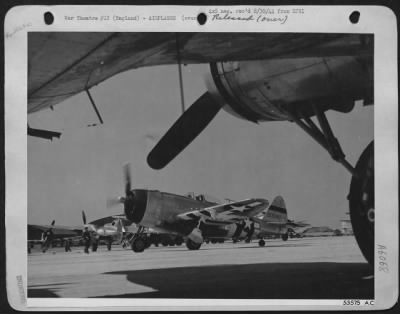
[[307, 268]]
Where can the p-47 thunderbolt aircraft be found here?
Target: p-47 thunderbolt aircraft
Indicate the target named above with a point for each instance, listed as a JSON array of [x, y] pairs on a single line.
[[258, 77], [183, 215], [46, 234], [111, 229], [122, 231], [273, 221]]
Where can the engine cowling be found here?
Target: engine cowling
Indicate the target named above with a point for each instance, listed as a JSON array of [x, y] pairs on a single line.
[[135, 205], [275, 90]]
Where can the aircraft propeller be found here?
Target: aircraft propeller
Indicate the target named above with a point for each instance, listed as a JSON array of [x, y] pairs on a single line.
[[129, 198], [188, 126], [84, 217]]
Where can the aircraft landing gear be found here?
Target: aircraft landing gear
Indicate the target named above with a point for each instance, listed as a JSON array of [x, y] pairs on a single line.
[[138, 241], [191, 245], [178, 241], [361, 197], [261, 243], [362, 203], [138, 245], [285, 237]]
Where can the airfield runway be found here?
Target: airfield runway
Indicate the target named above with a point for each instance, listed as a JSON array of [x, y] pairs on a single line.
[[307, 268]]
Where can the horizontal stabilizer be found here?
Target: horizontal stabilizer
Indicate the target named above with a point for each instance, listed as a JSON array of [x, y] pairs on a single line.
[[48, 135]]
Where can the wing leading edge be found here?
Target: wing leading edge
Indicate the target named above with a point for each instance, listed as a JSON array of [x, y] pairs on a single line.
[[228, 212]]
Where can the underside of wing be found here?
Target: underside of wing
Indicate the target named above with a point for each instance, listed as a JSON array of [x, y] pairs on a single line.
[[62, 64]]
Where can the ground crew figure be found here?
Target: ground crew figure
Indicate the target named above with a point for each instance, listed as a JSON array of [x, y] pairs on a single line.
[[67, 246], [95, 244], [86, 239], [48, 238]]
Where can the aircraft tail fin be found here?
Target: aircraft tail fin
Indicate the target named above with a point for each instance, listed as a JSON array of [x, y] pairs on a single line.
[[277, 211]]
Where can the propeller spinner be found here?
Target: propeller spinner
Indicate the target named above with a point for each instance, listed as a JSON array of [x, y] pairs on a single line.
[[135, 201]]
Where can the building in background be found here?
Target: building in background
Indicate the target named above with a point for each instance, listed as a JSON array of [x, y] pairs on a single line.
[[345, 226]]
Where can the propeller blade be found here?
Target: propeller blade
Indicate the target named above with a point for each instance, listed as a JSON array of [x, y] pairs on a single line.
[[189, 125], [83, 217], [53, 222], [127, 173]]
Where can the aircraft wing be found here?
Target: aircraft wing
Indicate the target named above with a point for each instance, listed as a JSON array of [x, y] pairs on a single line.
[[62, 64], [35, 231], [297, 224], [228, 212], [110, 219]]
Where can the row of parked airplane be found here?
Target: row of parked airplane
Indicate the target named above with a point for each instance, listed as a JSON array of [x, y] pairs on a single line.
[[151, 216]]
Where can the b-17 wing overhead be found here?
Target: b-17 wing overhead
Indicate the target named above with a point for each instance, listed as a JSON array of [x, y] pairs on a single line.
[[62, 64]]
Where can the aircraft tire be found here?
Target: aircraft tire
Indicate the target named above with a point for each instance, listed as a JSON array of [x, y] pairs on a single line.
[[178, 241], [164, 242], [362, 203], [192, 245], [261, 242], [147, 243], [285, 237], [138, 245]]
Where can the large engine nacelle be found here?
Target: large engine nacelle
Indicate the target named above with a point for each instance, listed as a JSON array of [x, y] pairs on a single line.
[[275, 90]]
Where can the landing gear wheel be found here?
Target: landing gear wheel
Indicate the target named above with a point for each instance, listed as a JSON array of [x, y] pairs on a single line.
[[147, 243], [164, 243], [261, 242], [362, 203], [178, 241], [285, 237], [138, 245], [192, 245]]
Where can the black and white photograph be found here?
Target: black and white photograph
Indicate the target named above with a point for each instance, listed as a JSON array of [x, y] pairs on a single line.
[[192, 165]]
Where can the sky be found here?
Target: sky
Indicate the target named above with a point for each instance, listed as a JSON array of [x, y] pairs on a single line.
[[231, 159]]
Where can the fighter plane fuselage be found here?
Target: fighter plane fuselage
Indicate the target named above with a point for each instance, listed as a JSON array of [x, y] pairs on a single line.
[[159, 210]]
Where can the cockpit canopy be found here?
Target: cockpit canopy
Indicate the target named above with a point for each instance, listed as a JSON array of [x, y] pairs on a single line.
[[203, 198]]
